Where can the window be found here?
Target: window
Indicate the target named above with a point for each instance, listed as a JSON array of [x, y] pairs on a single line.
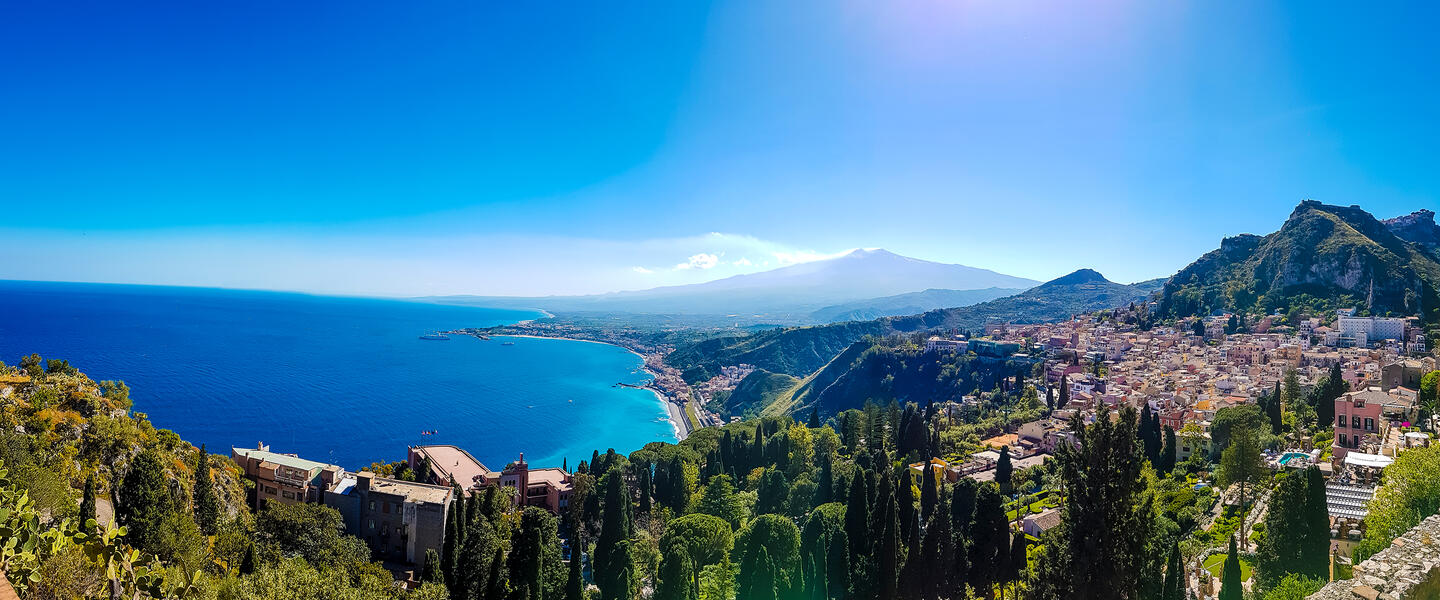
[[372, 523], [1344, 441], [1369, 424], [1341, 420], [372, 502], [270, 490], [385, 507], [1355, 422], [289, 495]]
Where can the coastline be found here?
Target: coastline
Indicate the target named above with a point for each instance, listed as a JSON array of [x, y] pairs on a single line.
[[674, 411]]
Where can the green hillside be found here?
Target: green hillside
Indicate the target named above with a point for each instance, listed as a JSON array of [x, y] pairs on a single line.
[[1322, 257], [757, 389], [799, 351]]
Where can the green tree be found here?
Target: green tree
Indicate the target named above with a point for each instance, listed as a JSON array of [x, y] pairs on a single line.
[[87, 501], [1003, 470], [705, 539], [207, 505], [678, 578], [1294, 587], [575, 580], [144, 500], [1241, 465], [769, 555], [1102, 547], [1411, 493], [614, 565], [773, 493], [990, 541], [1297, 533], [430, 573], [1429, 397], [719, 500], [1230, 575], [1167, 456], [534, 566], [1174, 586]]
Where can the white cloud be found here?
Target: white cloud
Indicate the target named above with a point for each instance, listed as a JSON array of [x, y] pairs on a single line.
[[641, 270], [743, 262], [700, 261]]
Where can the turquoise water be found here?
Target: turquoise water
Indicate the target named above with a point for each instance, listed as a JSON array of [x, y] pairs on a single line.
[[342, 380]]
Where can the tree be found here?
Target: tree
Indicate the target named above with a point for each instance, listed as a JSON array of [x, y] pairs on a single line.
[[144, 500], [704, 539], [1429, 397], [990, 541], [773, 493], [1411, 493], [1101, 549], [614, 566], [1167, 456], [857, 520], [207, 505], [1241, 465], [431, 571], [1230, 582], [535, 555], [1003, 470], [677, 573], [837, 565], [1017, 561], [1064, 392], [769, 554], [1294, 587], [1297, 534], [719, 500], [814, 422], [87, 501], [575, 581], [929, 491], [1174, 587]]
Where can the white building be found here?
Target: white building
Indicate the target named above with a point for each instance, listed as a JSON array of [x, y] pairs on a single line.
[[1364, 330]]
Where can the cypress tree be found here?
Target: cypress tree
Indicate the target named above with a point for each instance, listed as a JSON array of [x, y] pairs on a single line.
[[614, 567], [674, 577], [929, 491], [887, 551], [87, 503], [904, 499], [1174, 586], [144, 500], [1230, 586], [430, 573], [495, 588], [937, 551], [1315, 554], [575, 583], [1004, 470], [207, 506], [857, 519], [825, 488], [1018, 559], [990, 547], [814, 422], [837, 565], [1064, 392], [247, 564], [773, 495], [1167, 456], [1049, 400]]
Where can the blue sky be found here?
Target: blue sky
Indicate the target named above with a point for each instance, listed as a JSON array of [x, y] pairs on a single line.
[[495, 148]]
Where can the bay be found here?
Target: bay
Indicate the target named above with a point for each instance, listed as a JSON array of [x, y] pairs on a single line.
[[337, 379]]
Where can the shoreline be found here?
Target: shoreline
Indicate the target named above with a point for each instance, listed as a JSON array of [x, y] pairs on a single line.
[[674, 412]]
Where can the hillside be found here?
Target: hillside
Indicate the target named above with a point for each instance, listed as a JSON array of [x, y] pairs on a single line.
[[898, 371], [784, 295], [908, 304], [799, 351], [757, 389], [1322, 257]]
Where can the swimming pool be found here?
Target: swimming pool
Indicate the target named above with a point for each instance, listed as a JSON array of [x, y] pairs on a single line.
[[1289, 456]]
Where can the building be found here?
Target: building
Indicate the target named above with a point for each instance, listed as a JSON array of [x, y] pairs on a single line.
[[935, 344], [1039, 523], [549, 488], [285, 478], [1359, 421], [399, 520], [1360, 331]]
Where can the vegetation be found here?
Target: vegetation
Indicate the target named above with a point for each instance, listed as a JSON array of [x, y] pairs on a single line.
[[1411, 493]]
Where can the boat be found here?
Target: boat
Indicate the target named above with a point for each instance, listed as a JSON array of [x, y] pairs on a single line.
[[435, 336], [507, 343]]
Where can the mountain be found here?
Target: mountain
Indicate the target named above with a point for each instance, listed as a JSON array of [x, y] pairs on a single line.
[[1418, 228], [786, 294], [799, 351], [907, 304], [1323, 257]]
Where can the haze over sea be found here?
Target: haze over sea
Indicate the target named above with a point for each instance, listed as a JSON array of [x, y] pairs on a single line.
[[341, 380]]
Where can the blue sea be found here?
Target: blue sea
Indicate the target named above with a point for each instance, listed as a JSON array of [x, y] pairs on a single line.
[[340, 380]]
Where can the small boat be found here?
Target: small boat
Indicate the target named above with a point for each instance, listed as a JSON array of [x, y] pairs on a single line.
[[435, 336], [507, 343]]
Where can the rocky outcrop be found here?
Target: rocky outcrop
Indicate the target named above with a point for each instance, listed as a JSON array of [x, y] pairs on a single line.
[[1408, 569], [1322, 255], [1418, 227]]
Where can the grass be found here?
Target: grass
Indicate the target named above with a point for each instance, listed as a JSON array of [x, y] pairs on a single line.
[[690, 416], [1216, 563]]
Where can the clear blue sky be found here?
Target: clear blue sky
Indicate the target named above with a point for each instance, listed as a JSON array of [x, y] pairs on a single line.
[[524, 148]]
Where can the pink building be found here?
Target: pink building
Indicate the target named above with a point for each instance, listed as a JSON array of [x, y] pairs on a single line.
[[1358, 421]]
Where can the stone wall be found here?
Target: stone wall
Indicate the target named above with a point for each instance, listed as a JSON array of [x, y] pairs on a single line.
[[1409, 569]]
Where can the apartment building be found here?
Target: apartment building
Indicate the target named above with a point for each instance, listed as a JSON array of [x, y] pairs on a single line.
[[285, 478], [399, 520]]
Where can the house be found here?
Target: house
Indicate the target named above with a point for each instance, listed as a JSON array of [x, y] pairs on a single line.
[[399, 520], [1039, 523], [548, 488], [1359, 421], [285, 478]]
